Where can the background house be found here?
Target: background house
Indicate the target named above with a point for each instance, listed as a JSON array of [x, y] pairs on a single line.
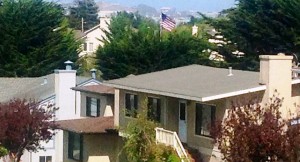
[[92, 38]]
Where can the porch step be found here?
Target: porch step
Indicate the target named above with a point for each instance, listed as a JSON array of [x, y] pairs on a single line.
[[193, 154]]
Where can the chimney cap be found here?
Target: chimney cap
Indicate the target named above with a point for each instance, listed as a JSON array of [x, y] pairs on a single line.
[[93, 70], [68, 65], [68, 62]]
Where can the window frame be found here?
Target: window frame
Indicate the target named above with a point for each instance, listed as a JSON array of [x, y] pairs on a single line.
[[85, 48], [88, 112], [91, 46], [131, 110], [71, 142], [212, 116], [156, 117], [45, 158]]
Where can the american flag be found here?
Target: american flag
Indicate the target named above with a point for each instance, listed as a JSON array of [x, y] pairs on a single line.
[[167, 22]]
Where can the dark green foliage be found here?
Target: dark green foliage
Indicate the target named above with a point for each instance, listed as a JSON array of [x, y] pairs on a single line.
[[86, 9], [29, 45], [263, 26], [134, 46]]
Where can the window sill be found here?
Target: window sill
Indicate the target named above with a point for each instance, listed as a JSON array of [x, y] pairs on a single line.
[[204, 137], [74, 159], [130, 117]]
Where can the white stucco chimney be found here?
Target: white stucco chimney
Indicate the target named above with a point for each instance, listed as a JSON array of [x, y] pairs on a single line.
[[65, 97], [276, 74], [104, 22], [65, 100]]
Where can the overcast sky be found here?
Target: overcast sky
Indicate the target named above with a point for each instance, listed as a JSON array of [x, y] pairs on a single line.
[[196, 5]]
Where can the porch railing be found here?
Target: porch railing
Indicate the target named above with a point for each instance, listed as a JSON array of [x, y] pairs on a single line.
[[170, 138]]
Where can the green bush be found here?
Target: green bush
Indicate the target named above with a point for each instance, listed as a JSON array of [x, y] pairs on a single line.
[[3, 151], [166, 153], [140, 145]]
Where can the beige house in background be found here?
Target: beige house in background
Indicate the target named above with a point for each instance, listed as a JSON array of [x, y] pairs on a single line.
[[92, 38], [188, 99]]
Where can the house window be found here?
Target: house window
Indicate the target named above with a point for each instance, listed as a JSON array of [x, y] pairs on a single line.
[[75, 146], [131, 102], [91, 48], [45, 158], [84, 46], [154, 109], [205, 117], [92, 107]]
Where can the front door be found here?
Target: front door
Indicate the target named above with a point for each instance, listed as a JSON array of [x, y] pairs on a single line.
[[182, 121]]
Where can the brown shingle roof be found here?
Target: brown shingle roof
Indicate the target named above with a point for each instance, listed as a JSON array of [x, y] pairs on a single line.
[[88, 125], [101, 89]]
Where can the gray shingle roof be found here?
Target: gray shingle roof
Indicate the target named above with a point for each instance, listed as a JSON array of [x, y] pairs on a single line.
[[30, 88], [193, 81]]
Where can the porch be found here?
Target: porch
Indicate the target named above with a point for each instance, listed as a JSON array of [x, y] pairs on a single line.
[[190, 120]]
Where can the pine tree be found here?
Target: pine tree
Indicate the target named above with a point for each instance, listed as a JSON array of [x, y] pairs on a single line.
[[263, 26], [135, 46], [86, 10], [35, 38]]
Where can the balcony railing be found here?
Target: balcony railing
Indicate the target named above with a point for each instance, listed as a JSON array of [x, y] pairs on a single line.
[[170, 138]]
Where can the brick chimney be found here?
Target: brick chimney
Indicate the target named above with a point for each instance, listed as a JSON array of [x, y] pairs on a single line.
[[276, 74]]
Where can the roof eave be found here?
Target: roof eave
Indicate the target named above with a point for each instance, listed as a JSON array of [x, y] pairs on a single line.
[[235, 93], [89, 132], [194, 98], [87, 91], [88, 81]]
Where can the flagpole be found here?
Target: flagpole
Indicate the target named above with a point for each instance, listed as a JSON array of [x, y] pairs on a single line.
[[160, 26]]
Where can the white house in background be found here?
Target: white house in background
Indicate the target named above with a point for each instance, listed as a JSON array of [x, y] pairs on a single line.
[[92, 37], [55, 89]]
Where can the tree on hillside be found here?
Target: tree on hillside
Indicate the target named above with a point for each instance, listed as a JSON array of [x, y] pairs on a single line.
[[134, 46], [253, 132], [86, 10], [24, 124], [262, 26], [35, 38]]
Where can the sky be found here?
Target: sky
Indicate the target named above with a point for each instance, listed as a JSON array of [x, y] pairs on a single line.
[[181, 5], [196, 5]]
